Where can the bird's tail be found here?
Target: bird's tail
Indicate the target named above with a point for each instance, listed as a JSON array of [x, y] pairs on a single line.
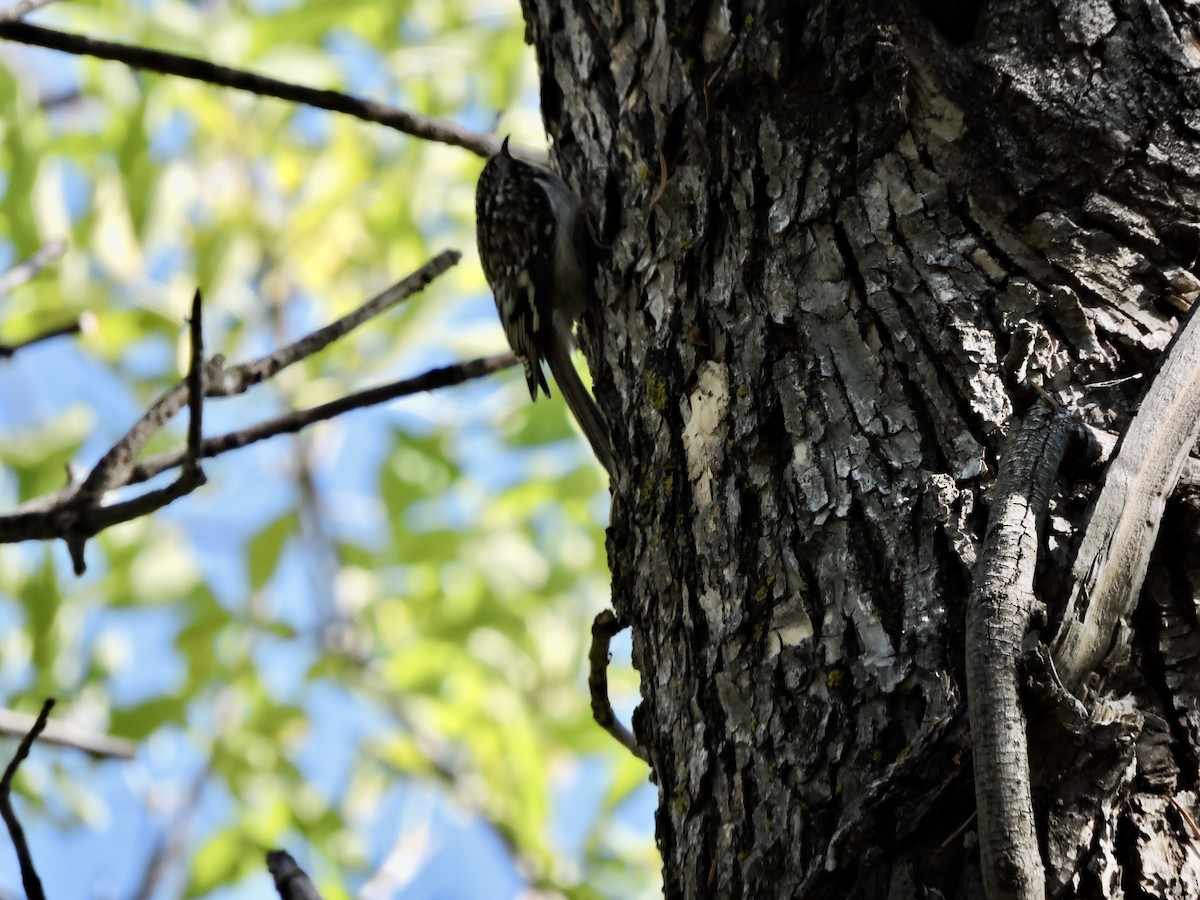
[[580, 402]]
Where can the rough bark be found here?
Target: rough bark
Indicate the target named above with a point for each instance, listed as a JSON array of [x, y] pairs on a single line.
[[838, 230]]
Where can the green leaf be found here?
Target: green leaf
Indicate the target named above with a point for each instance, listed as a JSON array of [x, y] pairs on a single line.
[[539, 423], [265, 548], [39, 457], [42, 599], [222, 858], [139, 722]]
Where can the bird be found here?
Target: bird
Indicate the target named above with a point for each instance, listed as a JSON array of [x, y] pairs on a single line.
[[534, 237]]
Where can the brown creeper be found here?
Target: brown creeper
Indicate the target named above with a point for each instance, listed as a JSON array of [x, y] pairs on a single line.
[[532, 231]]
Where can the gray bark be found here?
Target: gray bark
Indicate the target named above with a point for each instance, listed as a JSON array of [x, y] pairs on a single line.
[[837, 230]]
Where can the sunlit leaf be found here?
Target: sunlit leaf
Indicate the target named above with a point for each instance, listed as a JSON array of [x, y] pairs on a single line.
[[138, 722], [220, 859], [264, 549]]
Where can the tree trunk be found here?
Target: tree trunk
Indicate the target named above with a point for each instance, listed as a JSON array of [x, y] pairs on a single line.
[[848, 239]]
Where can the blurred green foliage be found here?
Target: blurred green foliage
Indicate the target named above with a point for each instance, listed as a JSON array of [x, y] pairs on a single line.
[[446, 590]]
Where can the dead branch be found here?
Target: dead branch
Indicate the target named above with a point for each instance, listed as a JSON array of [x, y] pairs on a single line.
[[415, 124], [195, 391], [1115, 550], [240, 378]]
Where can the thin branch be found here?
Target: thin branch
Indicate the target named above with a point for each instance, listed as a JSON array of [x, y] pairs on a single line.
[[23, 8], [23, 272], [220, 382], [289, 423], [604, 628], [1114, 552], [113, 468], [76, 327], [451, 767], [88, 521], [29, 875], [67, 734], [291, 881], [1187, 818], [419, 126], [75, 512], [66, 517], [46, 256], [195, 389], [998, 618], [246, 375]]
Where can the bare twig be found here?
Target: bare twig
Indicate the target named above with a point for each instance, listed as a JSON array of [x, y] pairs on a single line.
[[195, 388], [46, 256], [319, 546], [75, 512], [23, 8], [23, 272], [957, 831], [242, 377], [604, 628], [29, 875], [221, 382], [90, 520], [1113, 382], [289, 423], [8, 350], [113, 469], [1187, 817], [64, 518], [1114, 552], [438, 754], [998, 618], [291, 881], [425, 127], [67, 734], [60, 98]]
